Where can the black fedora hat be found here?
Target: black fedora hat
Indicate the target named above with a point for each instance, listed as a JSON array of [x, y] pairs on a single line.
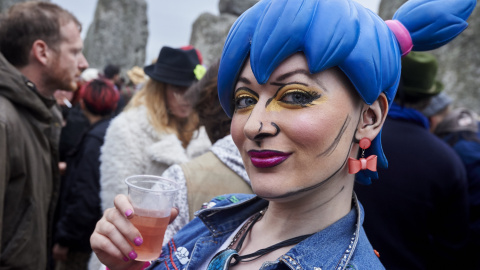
[[174, 66]]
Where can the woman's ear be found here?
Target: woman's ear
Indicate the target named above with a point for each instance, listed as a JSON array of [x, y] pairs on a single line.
[[372, 119]]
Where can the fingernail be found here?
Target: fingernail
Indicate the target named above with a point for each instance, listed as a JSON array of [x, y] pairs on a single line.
[[128, 212], [138, 241], [132, 255], [125, 258]]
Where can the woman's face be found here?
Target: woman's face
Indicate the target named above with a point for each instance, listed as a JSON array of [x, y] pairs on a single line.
[[294, 132], [176, 103]]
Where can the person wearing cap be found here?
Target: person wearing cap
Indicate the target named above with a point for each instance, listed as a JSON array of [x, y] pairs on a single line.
[[79, 204], [418, 213], [438, 107], [308, 85], [158, 128]]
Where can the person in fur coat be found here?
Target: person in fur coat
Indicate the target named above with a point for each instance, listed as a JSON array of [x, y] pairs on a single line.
[[157, 128]]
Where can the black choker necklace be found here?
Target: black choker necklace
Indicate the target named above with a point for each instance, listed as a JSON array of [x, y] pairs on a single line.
[[223, 259]]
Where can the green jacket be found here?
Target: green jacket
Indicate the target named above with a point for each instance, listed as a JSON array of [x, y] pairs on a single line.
[[30, 128]]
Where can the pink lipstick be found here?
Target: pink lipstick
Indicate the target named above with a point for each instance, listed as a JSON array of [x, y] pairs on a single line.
[[267, 158]]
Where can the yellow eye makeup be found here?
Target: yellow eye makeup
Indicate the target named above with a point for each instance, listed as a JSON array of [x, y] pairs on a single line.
[[245, 99], [295, 96]]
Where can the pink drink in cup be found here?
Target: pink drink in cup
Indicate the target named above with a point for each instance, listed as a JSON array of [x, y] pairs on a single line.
[[152, 198]]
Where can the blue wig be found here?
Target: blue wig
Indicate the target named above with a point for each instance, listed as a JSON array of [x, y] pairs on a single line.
[[336, 33]]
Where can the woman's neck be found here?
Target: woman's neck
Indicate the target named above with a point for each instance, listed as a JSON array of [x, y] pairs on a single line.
[[309, 214], [285, 220]]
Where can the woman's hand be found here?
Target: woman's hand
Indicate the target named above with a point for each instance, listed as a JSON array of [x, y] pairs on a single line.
[[110, 240]]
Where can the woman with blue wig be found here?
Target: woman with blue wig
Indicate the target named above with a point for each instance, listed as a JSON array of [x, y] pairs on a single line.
[[308, 85]]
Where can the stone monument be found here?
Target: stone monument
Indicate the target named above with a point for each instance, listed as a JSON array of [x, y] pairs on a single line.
[[210, 31], [118, 34]]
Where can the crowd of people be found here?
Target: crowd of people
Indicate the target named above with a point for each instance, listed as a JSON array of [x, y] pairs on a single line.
[[275, 146]]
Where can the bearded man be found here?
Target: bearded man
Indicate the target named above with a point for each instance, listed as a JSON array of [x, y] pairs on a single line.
[[41, 51]]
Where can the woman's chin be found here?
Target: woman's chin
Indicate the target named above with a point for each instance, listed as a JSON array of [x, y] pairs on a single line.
[[270, 194]]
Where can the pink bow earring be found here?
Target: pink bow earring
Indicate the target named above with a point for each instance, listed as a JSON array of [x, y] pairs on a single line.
[[370, 163]]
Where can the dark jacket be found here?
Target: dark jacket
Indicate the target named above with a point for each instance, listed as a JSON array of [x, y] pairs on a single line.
[[77, 124], [417, 211], [79, 206], [468, 149], [29, 177], [469, 153]]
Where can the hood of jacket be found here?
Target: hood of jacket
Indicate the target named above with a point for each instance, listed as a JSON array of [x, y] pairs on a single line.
[[21, 92]]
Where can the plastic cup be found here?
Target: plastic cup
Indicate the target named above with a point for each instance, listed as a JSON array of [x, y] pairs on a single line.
[[152, 198]]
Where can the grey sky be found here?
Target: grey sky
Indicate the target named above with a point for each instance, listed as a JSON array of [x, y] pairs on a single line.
[[170, 22]]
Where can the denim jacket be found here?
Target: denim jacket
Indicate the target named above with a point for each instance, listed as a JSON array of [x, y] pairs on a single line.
[[342, 245]]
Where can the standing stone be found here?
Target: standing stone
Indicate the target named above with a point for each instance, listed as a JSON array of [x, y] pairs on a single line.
[[118, 34], [209, 31], [6, 4], [459, 60], [235, 7], [388, 7]]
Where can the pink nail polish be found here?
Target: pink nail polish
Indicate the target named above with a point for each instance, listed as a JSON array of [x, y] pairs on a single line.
[[125, 258], [128, 212], [132, 255], [138, 241]]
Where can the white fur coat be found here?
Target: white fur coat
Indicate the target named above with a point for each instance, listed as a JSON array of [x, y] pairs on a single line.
[[132, 146]]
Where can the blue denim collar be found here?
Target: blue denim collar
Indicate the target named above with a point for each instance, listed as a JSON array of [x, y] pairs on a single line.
[[331, 248]]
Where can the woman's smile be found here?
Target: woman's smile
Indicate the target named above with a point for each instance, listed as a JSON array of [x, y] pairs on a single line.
[[267, 158]]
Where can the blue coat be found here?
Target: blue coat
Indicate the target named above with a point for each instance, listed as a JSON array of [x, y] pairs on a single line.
[[342, 245]]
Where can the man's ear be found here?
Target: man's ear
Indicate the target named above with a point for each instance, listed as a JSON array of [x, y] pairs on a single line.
[[372, 119], [40, 52]]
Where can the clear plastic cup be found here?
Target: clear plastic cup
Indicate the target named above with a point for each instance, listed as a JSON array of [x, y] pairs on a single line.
[[152, 198]]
